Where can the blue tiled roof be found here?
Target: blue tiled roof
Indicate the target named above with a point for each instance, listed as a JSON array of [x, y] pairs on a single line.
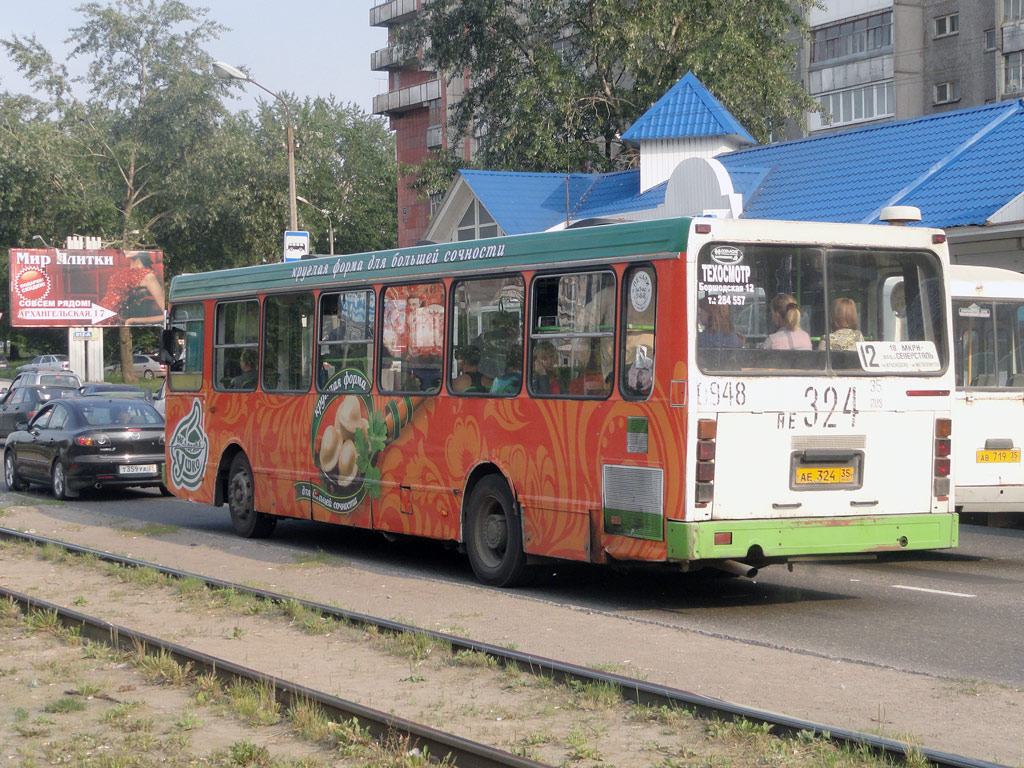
[[687, 109], [527, 202], [958, 167]]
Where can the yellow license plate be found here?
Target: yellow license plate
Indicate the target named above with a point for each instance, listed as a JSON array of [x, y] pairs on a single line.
[[1010, 456], [823, 475]]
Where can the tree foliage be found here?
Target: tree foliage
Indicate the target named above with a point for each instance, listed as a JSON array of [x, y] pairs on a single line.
[[553, 83], [142, 151]]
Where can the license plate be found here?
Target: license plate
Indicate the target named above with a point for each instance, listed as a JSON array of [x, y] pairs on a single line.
[[137, 469], [823, 475], [1010, 456]]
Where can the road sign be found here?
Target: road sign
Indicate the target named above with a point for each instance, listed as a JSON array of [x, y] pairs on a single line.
[[296, 245]]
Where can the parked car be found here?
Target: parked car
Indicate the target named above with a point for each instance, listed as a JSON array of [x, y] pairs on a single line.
[[47, 379], [22, 403], [111, 390], [3, 362], [144, 365], [5, 384], [86, 442], [47, 363]]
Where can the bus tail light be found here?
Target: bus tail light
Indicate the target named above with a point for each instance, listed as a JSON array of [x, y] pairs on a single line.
[[707, 432], [943, 450]]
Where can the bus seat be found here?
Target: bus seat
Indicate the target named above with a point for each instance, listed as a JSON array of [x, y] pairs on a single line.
[[984, 380], [1016, 381]]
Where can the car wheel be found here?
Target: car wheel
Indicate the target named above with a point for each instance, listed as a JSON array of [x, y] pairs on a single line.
[[59, 482], [147, 374], [14, 483], [165, 491], [245, 519], [494, 535]]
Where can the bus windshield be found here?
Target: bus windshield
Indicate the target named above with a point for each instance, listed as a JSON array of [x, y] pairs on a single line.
[[798, 309]]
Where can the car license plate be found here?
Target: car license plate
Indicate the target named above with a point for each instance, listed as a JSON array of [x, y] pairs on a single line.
[[1010, 456], [137, 469], [823, 475]]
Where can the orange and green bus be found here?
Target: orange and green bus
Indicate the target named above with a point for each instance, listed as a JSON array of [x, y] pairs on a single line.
[[671, 392]]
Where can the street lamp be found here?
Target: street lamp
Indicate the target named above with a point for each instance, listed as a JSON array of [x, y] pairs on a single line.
[[227, 72], [323, 212]]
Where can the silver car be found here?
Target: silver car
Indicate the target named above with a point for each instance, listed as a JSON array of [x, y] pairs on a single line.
[[47, 363], [144, 365]]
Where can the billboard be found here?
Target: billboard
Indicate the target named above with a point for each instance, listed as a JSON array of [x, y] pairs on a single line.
[[57, 288]]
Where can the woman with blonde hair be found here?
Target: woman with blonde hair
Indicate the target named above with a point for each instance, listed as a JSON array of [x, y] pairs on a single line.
[[788, 333], [845, 334]]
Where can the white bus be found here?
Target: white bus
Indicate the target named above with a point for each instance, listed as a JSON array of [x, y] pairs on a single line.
[[988, 328]]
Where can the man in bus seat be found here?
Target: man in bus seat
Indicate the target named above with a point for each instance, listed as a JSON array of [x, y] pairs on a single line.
[[247, 378]]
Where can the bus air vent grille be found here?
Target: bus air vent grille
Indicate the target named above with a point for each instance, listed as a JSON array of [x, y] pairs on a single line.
[[633, 502]]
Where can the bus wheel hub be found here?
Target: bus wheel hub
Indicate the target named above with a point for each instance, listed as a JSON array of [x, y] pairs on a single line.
[[495, 532]]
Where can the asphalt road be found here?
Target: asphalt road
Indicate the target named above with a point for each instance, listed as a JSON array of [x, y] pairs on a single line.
[[956, 613]]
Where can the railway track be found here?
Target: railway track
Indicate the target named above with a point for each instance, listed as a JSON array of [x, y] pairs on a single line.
[[463, 752]]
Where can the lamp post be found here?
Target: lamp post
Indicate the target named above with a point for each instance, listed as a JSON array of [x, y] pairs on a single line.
[[323, 212], [227, 72]]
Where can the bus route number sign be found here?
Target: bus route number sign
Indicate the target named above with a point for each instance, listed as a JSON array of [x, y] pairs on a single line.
[[898, 356]]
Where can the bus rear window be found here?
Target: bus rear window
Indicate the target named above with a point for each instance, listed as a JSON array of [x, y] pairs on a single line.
[[795, 309]]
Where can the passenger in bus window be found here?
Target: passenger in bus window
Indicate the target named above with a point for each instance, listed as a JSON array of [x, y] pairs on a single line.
[[717, 326], [470, 379], [511, 380], [544, 379], [845, 333], [247, 378], [788, 333]]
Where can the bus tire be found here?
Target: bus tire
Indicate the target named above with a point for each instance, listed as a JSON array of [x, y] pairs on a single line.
[[245, 519], [494, 534]]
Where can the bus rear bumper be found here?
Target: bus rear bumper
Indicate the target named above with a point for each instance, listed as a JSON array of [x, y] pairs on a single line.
[[755, 540]]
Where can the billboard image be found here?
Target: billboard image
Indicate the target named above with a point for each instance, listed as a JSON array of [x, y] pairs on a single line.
[[55, 287]]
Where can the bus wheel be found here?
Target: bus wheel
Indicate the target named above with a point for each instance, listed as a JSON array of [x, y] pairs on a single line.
[[246, 520], [494, 536]]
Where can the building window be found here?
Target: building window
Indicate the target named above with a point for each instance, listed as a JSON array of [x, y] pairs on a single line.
[[947, 92], [1014, 69], [1013, 10], [476, 223], [947, 25], [990, 39], [857, 105], [851, 37]]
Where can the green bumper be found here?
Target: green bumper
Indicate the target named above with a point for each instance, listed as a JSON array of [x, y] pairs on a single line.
[[797, 537]]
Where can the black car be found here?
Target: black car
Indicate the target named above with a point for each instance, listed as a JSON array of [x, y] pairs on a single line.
[[111, 390], [22, 403], [86, 442]]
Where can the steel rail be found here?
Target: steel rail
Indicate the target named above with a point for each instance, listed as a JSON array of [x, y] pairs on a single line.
[[637, 691], [438, 744]]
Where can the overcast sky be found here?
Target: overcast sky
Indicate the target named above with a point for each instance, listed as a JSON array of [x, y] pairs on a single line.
[[306, 47]]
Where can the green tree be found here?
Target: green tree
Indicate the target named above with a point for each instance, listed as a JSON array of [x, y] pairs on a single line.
[[152, 103], [555, 82]]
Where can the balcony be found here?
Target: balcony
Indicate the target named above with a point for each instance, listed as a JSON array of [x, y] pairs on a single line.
[[392, 12], [392, 57], [435, 136], [406, 99]]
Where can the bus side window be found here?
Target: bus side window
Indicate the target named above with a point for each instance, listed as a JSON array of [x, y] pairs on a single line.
[[575, 313], [487, 336], [347, 322], [639, 304], [237, 332], [287, 343], [412, 336]]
